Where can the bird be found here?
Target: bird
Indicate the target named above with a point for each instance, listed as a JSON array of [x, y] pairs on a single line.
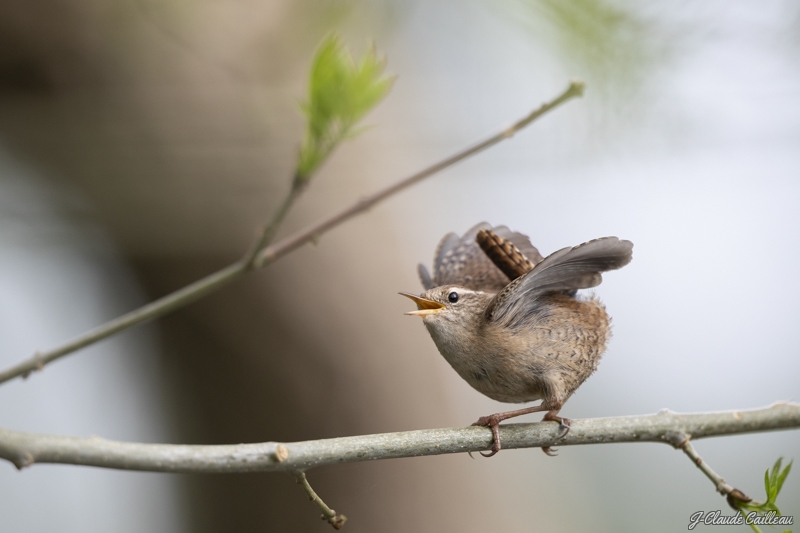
[[512, 323]]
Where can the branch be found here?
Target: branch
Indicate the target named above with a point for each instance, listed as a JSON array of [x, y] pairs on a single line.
[[732, 494], [336, 520], [25, 449], [255, 258], [574, 90], [271, 229]]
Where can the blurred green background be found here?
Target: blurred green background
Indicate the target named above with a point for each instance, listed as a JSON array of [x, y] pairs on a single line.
[[144, 143]]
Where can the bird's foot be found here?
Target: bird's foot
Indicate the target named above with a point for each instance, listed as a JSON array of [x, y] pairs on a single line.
[[565, 424], [492, 422], [549, 451]]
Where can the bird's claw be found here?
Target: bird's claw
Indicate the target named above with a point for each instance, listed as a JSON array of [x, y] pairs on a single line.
[[564, 423], [493, 423]]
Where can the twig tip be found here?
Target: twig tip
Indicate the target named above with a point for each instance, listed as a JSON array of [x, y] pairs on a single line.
[[577, 87], [337, 521]]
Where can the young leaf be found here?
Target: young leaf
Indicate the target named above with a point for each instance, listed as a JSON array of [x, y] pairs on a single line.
[[782, 477], [340, 92], [773, 482]]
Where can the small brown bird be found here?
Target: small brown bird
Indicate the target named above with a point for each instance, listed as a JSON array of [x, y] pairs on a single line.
[[511, 323]]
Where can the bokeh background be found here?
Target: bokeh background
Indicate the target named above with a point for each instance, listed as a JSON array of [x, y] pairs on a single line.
[[143, 143]]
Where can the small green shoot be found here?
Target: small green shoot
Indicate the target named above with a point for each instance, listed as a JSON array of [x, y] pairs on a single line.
[[341, 91], [773, 481]]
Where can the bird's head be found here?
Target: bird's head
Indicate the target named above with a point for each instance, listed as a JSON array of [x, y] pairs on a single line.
[[449, 304]]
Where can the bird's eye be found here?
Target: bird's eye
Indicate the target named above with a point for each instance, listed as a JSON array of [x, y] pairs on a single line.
[[453, 297]]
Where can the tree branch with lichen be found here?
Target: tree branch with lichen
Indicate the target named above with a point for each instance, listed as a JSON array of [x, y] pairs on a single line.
[[25, 449]]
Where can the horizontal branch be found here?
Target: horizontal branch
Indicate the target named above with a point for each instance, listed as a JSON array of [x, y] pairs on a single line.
[[259, 258], [25, 449]]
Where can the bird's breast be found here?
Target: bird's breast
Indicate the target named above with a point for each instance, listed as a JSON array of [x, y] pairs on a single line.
[[558, 350]]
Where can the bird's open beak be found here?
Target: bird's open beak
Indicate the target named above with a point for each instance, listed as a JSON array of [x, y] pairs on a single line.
[[426, 307]]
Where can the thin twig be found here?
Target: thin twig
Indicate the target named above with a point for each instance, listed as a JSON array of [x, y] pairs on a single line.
[[271, 229], [206, 285], [25, 449], [575, 90], [731, 494], [160, 307], [336, 520]]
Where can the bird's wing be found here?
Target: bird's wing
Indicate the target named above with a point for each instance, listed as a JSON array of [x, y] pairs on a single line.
[[461, 261], [568, 269]]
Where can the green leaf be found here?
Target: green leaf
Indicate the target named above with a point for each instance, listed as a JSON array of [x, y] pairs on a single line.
[[782, 477], [773, 482], [766, 482], [340, 92]]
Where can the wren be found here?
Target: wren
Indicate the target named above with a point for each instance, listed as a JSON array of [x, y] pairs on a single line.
[[511, 323]]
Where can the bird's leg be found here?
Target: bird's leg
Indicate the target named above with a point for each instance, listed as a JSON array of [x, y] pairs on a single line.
[[493, 423], [565, 424]]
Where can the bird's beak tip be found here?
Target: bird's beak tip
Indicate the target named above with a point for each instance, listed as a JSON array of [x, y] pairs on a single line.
[[426, 307], [422, 312]]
